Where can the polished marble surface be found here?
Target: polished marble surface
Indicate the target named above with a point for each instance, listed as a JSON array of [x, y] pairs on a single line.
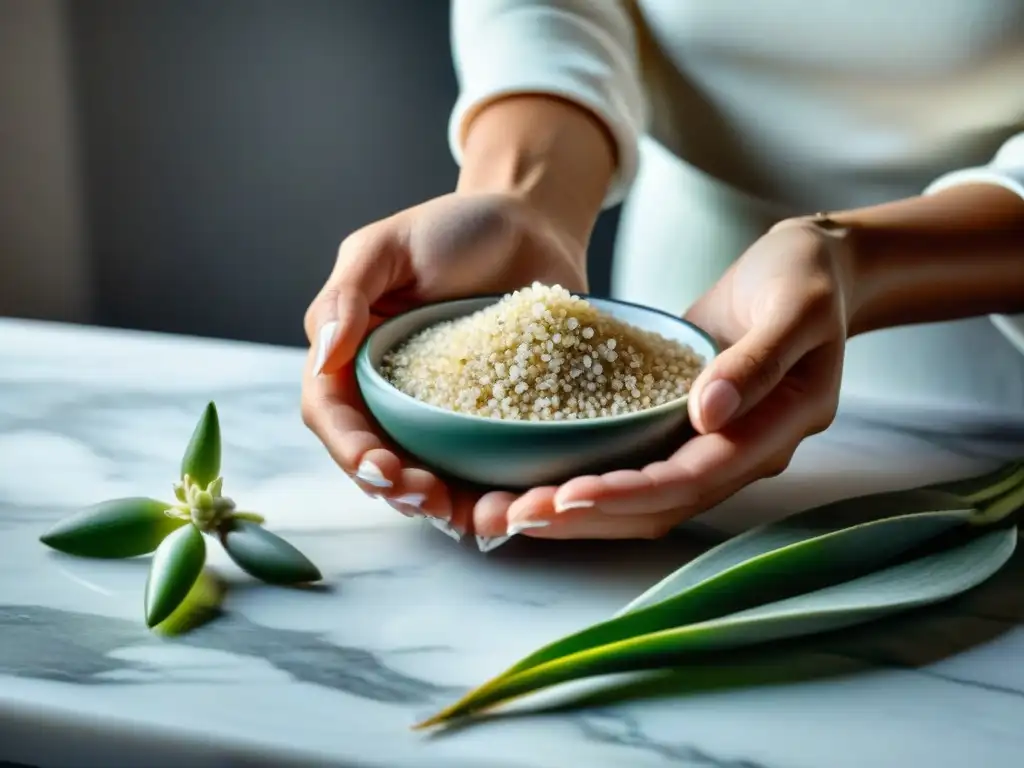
[[411, 618]]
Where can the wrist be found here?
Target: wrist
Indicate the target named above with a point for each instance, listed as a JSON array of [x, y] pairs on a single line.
[[553, 156], [932, 258], [844, 243]]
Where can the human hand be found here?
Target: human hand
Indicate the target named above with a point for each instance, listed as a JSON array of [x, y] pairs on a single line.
[[453, 246], [780, 314]]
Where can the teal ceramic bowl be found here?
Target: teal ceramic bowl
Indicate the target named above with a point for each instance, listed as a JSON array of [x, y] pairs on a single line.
[[521, 454]]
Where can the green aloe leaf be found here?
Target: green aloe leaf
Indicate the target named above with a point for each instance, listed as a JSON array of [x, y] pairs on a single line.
[[976, 490], [805, 552], [918, 514], [960, 498], [1001, 507], [176, 565], [856, 529], [200, 605], [118, 528], [919, 582], [201, 461], [265, 555]]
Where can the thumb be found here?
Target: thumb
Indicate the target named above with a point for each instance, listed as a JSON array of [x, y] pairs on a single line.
[[745, 373], [369, 264]]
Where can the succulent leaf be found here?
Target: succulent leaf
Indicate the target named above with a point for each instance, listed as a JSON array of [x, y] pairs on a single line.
[[176, 565], [118, 528], [200, 605], [201, 461], [265, 555]]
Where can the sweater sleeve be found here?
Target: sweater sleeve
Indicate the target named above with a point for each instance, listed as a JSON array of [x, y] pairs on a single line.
[[584, 51], [1006, 170]]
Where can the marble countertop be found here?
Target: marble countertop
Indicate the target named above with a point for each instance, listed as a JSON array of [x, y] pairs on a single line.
[[412, 618]]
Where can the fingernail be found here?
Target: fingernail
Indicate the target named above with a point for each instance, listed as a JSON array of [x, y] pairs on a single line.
[[489, 544], [371, 474], [411, 499], [409, 504], [525, 525], [565, 506], [718, 403], [324, 342], [403, 510], [445, 527]]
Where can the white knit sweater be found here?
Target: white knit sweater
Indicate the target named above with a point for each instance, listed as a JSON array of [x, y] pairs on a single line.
[[730, 114]]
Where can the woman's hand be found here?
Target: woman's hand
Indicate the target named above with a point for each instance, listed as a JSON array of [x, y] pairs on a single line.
[[457, 245], [780, 314]]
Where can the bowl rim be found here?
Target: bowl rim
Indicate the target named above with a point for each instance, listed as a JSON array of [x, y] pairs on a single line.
[[362, 362]]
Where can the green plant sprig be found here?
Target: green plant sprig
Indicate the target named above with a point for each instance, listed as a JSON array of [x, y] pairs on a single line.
[[833, 566], [176, 533]]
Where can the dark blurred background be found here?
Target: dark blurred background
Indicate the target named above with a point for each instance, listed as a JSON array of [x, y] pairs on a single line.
[[190, 166]]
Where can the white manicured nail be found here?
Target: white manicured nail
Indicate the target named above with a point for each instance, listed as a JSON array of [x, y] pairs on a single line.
[[324, 342], [370, 474], [526, 525], [565, 506], [411, 499], [445, 527], [404, 511], [488, 544]]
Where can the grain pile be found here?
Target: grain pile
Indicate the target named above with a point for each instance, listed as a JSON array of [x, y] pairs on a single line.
[[541, 354]]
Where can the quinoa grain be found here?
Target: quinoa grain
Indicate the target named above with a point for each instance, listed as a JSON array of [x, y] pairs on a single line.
[[541, 354]]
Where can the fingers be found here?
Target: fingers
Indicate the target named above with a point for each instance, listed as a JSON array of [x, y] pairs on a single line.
[[748, 370], [594, 524], [421, 493], [702, 473], [534, 514], [489, 517], [758, 445], [745, 372], [490, 514], [597, 523], [531, 511], [333, 409], [626, 492], [369, 264]]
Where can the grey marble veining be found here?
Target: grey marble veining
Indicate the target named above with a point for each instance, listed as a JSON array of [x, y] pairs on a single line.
[[408, 619]]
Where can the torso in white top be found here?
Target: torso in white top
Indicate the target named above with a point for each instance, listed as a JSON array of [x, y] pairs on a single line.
[[745, 112]]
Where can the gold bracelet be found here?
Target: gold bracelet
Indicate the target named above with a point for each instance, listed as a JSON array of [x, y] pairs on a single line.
[[825, 221]]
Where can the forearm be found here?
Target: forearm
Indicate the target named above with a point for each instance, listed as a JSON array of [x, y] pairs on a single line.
[[557, 156], [550, 103], [953, 254]]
